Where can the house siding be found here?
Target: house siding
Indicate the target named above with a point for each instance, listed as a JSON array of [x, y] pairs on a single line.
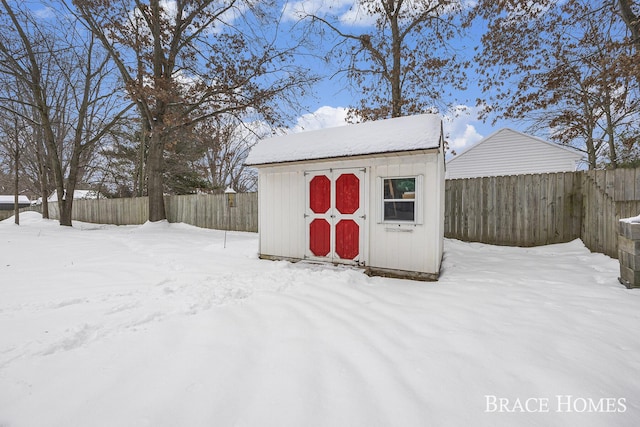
[[508, 152]]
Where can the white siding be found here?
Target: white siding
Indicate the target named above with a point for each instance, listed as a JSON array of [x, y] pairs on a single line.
[[416, 247], [508, 152], [410, 247], [281, 210]]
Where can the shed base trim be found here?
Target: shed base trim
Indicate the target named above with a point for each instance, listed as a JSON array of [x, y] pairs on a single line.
[[279, 258], [370, 271], [402, 274]]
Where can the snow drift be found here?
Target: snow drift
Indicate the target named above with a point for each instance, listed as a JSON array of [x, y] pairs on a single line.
[[160, 325]]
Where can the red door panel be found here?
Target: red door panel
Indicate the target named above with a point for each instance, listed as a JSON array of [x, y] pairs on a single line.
[[347, 193], [320, 194], [320, 237], [347, 239]]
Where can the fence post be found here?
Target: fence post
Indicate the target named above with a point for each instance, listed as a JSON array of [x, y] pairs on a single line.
[[629, 252]]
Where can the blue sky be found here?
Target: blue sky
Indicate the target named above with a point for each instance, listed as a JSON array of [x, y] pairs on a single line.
[[326, 107]]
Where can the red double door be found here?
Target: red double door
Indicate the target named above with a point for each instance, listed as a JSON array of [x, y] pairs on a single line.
[[335, 215]]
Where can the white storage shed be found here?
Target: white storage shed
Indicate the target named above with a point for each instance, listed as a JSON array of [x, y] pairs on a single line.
[[509, 152], [368, 194]]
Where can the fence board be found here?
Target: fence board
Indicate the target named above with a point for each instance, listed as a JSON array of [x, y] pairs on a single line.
[[610, 182], [568, 207], [629, 184]]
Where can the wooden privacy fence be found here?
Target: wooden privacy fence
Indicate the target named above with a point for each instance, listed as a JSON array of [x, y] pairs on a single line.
[[201, 210], [212, 211], [5, 214], [609, 197], [520, 210], [532, 210]]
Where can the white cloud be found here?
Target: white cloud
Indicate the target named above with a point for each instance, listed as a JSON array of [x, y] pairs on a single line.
[[323, 117], [46, 12], [459, 124], [359, 15], [136, 23], [348, 12], [468, 137], [300, 9], [459, 127]]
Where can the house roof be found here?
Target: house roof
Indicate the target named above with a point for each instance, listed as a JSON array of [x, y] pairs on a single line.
[[572, 150], [509, 152], [409, 133], [10, 199]]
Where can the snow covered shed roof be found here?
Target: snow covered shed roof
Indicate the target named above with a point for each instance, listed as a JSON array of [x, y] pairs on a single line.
[[409, 133]]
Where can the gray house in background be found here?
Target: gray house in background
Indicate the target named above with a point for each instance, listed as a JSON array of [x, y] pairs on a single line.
[[7, 201], [509, 152]]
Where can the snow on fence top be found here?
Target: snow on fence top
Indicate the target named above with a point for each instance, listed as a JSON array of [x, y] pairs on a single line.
[[632, 220], [77, 195], [384, 136]]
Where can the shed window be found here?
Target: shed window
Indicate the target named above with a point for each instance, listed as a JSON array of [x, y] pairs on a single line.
[[399, 199]]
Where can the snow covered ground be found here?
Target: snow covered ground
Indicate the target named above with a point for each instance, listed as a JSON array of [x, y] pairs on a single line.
[[159, 325]]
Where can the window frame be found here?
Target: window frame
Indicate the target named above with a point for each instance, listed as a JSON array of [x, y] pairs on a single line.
[[417, 200]]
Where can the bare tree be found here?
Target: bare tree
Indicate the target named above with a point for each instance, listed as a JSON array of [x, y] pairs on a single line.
[[17, 148], [185, 61], [566, 67], [118, 163], [68, 86], [11, 143], [396, 53], [629, 11], [15, 105], [227, 142]]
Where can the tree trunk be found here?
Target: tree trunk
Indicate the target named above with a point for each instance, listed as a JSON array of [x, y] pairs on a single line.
[[155, 186], [613, 157], [610, 131], [67, 204], [396, 72], [65, 211], [64, 215], [143, 143], [16, 182], [42, 170], [591, 153], [631, 20], [44, 190], [633, 24], [155, 160]]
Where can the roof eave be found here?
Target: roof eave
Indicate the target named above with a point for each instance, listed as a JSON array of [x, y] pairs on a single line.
[[348, 157]]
